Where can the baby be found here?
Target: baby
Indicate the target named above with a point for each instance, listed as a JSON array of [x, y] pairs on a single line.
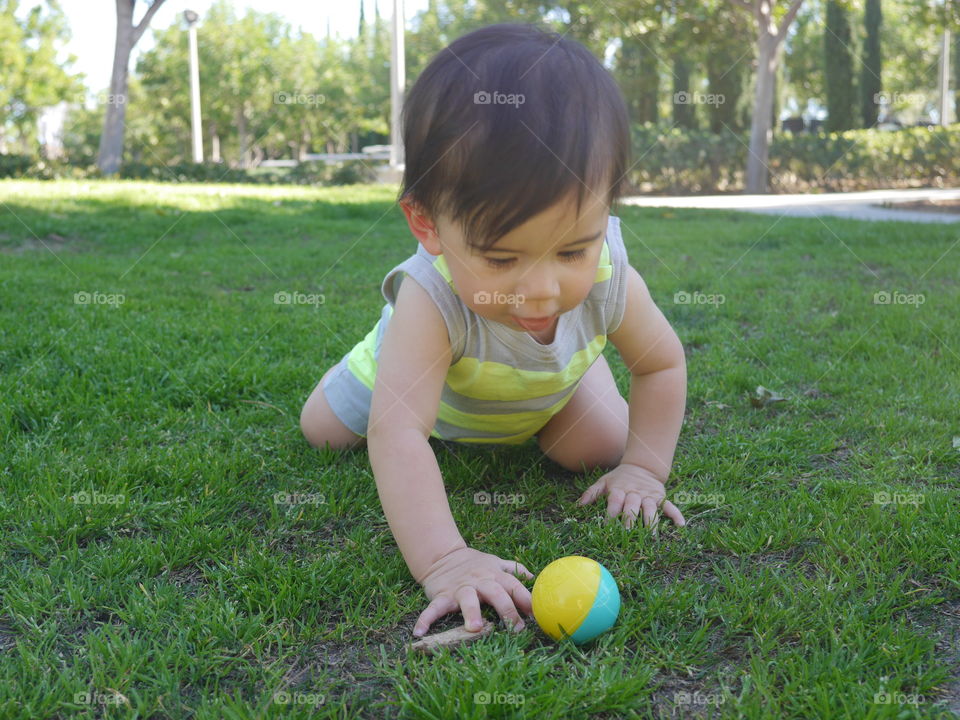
[[516, 142]]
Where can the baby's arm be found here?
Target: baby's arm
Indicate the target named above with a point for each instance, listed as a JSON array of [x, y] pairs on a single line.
[[412, 366], [413, 363], [654, 356]]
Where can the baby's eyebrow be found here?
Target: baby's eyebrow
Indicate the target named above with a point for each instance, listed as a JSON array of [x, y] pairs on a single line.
[[582, 240]]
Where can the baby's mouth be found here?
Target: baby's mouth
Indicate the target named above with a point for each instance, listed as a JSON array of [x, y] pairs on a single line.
[[535, 324]]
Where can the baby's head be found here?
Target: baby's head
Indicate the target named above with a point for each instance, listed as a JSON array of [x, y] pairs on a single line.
[[518, 134]]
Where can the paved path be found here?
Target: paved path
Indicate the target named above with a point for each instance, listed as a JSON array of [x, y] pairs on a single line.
[[855, 205]]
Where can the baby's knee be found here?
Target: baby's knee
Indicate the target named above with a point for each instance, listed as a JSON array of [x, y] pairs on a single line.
[[587, 454], [322, 428]]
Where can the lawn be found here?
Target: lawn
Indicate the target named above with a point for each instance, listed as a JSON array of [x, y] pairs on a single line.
[[172, 547]]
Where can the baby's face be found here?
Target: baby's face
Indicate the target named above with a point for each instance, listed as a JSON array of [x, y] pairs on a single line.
[[535, 272]]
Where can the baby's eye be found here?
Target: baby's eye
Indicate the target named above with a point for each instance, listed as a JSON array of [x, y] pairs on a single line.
[[569, 256], [573, 254]]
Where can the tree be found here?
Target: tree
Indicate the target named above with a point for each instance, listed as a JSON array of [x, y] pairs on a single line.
[[770, 35], [638, 75], [870, 71], [128, 34], [683, 51], [838, 67], [726, 65], [803, 56], [31, 78]]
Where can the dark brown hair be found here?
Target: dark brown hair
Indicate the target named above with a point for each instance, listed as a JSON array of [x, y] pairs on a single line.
[[507, 121]]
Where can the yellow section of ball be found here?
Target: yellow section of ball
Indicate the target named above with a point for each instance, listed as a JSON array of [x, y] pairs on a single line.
[[564, 593]]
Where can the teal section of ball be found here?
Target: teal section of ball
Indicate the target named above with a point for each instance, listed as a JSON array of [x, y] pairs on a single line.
[[603, 614]]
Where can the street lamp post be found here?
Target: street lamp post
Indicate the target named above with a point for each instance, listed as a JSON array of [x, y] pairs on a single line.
[[944, 79], [397, 76], [191, 17]]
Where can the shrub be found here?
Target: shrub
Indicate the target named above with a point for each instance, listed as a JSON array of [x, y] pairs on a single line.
[[694, 161], [310, 173]]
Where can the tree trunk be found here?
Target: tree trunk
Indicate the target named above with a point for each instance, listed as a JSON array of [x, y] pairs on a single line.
[[762, 110], [110, 154], [684, 109], [111, 139], [769, 38], [872, 66], [838, 68]]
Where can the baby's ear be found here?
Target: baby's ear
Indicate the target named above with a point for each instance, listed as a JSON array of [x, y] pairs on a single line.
[[422, 227]]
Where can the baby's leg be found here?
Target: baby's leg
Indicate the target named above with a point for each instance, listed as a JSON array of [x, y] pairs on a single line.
[[321, 427], [592, 428]]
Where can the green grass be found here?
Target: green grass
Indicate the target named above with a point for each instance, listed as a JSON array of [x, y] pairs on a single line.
[[186, 588]]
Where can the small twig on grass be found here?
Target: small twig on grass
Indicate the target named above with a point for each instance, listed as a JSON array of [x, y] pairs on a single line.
[[451, 638]]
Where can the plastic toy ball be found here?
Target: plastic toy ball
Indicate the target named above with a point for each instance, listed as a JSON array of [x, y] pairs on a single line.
[[575, 597]]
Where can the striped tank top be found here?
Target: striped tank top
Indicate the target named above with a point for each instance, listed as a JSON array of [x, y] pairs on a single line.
[[502, 385]]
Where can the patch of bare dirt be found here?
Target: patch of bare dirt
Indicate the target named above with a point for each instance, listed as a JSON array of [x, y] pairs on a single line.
[[52, 242]]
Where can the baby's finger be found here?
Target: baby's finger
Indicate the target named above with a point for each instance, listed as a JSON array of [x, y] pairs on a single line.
[[590, 494], [494, 594], [673, 512], [437, 608], [466, 595], [649, 506], [520, 595], [631, 509], [615, 500], [515, 568]]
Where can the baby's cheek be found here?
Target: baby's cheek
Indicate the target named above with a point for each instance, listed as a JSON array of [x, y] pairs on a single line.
[[584, 286]]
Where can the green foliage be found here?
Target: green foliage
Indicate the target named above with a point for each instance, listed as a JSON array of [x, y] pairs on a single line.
[[803, 53], [670, 160], [31, 77], [729, 52], [347, 172], [638, 76], [838, 67], [684, 161]]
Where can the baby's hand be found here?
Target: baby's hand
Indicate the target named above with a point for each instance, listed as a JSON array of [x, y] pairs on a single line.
[[632, 488], [460, 579]]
